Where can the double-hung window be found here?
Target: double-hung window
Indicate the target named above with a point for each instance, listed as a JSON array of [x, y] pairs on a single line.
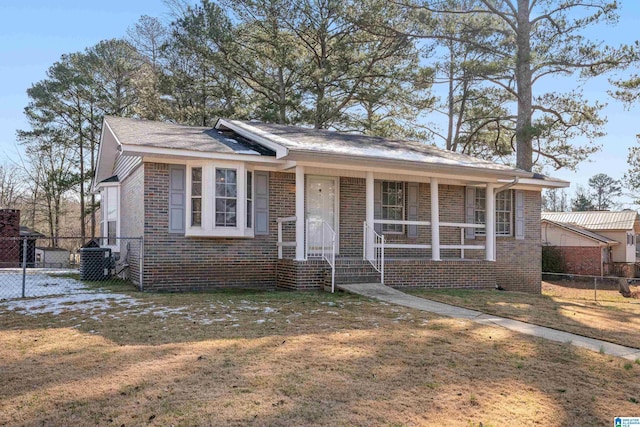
[[392, 206], [226, 197], [504, 211], [110, 206], [196, 197], [221, 200], [249, 193]]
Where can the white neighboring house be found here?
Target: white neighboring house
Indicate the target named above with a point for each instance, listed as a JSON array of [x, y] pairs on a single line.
[[611, 226], [51, 257]]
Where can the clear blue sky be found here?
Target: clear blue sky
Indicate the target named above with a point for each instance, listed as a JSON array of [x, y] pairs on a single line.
[[35, 33]]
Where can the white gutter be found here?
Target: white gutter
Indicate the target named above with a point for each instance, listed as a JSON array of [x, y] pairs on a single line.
[[506, 186]]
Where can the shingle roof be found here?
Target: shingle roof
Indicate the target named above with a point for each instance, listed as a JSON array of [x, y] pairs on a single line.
[[595, 220], [584, 232], [331, 142], [169, 135], [28, 232]]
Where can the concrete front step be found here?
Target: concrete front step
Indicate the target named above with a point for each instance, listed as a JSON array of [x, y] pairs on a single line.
[[349, 271]]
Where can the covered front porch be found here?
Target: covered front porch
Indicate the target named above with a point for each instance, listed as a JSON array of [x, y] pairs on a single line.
[[407, 229]]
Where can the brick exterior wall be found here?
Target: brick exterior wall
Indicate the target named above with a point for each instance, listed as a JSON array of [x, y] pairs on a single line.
[[174, 262], [9, 238], [519, 262], [301, 275], [468, 274], [352, 216], [581, 259]]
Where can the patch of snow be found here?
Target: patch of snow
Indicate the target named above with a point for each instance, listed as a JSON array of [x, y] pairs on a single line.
[[270, 310], [260, 321], [55, 305], [37, 284]]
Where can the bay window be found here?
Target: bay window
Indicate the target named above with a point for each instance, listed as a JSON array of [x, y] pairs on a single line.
[[221, 200]]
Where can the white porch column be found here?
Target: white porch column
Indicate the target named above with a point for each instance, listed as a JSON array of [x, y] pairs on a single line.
[[435, 221], [490, 223], [300, 219], [369, 212]]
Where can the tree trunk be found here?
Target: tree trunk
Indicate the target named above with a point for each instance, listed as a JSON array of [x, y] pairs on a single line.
[[282, 113], [93, 169], [83, 230], [524, 134], [451, 110]]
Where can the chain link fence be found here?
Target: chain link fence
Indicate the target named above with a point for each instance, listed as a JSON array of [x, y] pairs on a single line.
[[591, 288], [33, 266]]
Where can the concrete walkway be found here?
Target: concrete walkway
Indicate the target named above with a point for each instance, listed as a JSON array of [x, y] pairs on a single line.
[[387, 294]]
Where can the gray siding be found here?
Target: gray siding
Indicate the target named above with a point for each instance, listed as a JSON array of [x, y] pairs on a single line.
[[124, 165]]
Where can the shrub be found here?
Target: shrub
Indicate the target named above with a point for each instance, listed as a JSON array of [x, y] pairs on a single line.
[[552, 260]]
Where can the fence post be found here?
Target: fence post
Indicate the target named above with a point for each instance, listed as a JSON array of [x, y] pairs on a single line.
[[595, 288], [24, 265]]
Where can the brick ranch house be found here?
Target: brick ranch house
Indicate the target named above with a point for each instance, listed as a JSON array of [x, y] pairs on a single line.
[[594, 243], [249, 204]]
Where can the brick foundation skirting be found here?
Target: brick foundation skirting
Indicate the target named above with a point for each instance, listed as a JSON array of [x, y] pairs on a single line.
[[467, 274], [300, 275]]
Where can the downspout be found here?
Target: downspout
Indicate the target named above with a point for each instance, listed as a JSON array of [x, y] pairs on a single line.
[[496, 191], [506, 186]]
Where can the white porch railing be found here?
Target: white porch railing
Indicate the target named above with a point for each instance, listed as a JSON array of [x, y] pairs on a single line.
[[373, 249], [321, 243], [280, 243], [462, 246]]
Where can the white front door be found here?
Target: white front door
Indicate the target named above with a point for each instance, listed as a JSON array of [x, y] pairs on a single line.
[[322, 205]]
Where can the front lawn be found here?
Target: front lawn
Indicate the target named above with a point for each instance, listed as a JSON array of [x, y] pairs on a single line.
[[568, 308], [276, 358]]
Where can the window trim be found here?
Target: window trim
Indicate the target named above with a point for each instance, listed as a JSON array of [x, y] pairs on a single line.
[[225, 197], [191, 196], [105, 202], [208, 227], [401, 204], [249, 200], [482, 208]]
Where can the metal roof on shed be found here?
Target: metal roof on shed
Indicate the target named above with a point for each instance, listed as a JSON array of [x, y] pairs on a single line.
[[583, 232], [595, 220]]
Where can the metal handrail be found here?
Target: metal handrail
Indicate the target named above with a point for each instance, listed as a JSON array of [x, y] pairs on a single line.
[[327, 249], [329, 234], [371, 237]]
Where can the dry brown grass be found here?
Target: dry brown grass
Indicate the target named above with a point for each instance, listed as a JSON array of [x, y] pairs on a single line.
[[573, 309], [294, 359]]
